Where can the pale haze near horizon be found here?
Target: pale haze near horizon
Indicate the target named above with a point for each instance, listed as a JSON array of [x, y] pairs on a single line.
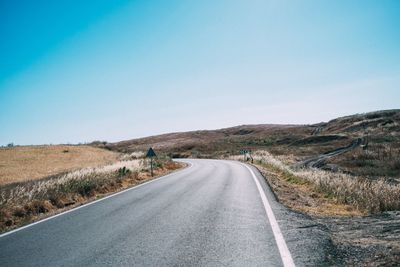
[[115, 70]]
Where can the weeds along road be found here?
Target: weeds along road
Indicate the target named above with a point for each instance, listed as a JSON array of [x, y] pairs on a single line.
[[213, 213]]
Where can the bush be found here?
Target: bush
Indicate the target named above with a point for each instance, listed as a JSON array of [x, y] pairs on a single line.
[[157, 164], [123, 171], [82, 186], [19, 212], [38, 206]]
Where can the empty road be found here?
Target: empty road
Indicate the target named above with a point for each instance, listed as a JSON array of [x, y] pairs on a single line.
[[213, 213]]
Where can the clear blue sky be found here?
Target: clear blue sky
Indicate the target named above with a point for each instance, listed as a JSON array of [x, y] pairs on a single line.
[[77, 71]]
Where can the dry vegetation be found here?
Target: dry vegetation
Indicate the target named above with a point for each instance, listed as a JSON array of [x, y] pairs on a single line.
[[380, 159], [24, 163], [32, 199], [364, 195], [213, 143], [341, 202], [299, 194]]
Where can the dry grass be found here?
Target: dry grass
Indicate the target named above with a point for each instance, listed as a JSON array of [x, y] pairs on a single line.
[[379, 160], [19, 164], [299, 194], [24, 202], [133, 155], [358, 192], [24, 193]]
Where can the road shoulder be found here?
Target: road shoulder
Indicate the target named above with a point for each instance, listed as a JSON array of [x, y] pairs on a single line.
[[308, 240], [351, 238]]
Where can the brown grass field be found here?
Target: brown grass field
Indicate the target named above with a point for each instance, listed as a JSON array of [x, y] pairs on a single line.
[[25, 163]]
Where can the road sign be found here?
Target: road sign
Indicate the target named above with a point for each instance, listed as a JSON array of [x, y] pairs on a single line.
[[150, 154], [246, 152]]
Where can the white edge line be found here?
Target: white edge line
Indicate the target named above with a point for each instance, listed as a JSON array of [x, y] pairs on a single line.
[[94, 202], [280, 241]]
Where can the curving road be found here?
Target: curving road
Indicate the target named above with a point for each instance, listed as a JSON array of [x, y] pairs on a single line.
[[320, 160], [212, 213]]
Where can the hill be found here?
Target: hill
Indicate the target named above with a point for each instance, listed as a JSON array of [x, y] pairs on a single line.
[[377, 153]]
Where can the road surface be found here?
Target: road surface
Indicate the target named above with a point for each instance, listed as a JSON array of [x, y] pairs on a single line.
[[212, 213]]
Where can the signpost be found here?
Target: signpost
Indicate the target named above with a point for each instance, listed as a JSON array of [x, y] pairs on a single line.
[[150, 154], [245, 152]]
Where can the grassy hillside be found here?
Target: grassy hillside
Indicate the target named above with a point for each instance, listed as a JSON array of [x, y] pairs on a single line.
[[208, 143], [378, 156]]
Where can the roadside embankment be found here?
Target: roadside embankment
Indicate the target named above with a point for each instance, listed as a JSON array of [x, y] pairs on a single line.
[[362, 215], [26, 202]]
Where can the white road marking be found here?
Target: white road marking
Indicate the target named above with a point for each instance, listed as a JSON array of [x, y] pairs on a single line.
[[280, 241], [93, 202]]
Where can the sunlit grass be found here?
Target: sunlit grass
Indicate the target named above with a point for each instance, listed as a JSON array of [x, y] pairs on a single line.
[[363, 193]]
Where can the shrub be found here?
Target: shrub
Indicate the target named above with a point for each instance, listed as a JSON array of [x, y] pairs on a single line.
[[157, 164], [19, 212], [85, 187], [123, 171], [37, 207]]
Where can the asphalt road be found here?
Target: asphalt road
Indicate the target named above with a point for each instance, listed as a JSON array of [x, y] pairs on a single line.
[[209, 214]]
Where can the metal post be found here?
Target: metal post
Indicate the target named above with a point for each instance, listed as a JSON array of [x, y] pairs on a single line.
[[151, 166]]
